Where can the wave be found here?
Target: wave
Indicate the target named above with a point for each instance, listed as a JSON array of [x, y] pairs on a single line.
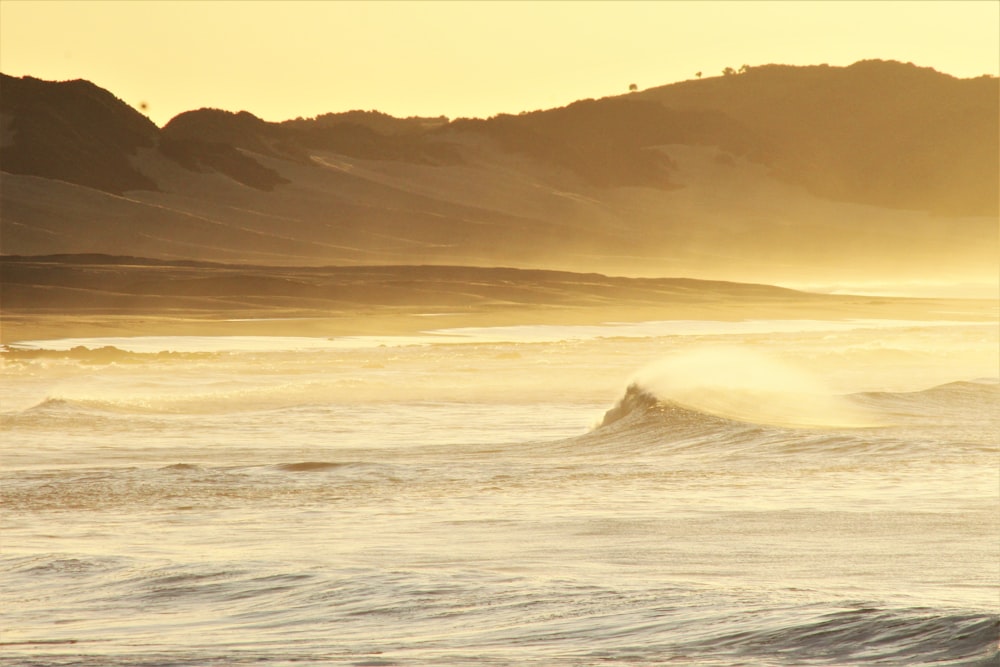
[[640, 406], [96, 356], [740, 385], [748, 386], [226, 398], [982, 394], [499, 614], [96, 411], [60, 413], [870, 635], [309, 466], [963, 415], [52, 405], [183, 467]]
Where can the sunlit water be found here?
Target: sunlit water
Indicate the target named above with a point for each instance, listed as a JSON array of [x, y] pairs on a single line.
[[763, 495]]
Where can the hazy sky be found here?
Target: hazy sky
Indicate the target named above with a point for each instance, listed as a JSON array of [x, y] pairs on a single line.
[[280, 60]]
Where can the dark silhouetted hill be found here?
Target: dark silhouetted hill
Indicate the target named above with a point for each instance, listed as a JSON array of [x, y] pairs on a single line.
[[877, 132], [211, 139], [73, 131], [361, 134], [615, 141], [376, 121], [880, 169]]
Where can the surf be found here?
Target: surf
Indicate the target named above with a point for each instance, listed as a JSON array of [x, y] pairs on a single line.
[[745, 385]]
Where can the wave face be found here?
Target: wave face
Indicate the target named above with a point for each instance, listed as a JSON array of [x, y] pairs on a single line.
[[818, 498], [911, 422], [370, 616]]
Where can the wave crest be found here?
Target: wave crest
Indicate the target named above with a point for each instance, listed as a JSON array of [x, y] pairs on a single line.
[[747, 386], [636, 399]]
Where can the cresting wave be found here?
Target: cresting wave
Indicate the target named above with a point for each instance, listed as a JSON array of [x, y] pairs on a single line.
[[640, 407], [902, 425], [696, 405], [458, 505], [746, 385], [979, 395]]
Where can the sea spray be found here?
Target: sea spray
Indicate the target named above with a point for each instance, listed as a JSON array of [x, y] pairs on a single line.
[[744, 384]]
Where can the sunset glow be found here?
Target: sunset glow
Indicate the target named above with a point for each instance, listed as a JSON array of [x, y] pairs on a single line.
[[544, 334], [281, 60]]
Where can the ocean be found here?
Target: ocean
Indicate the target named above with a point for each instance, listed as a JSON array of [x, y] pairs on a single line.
[[680, 493]]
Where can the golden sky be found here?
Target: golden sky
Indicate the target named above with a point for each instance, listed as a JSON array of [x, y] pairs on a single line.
[[280, 60]]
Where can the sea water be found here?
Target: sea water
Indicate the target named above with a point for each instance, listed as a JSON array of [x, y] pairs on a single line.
[[713, 494]]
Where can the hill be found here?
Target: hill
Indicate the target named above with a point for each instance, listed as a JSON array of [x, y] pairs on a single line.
[[877, 132], [73, 131], [878, 170]]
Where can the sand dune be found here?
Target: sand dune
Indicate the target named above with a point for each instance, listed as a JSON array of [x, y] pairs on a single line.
[[705, 179], [726, 219], [361, 222]]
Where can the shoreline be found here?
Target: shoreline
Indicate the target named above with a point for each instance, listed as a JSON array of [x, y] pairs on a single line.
[[66, 297], [22, 327], [501, 335]]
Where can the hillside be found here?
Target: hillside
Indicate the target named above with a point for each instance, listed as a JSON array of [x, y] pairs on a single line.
[[779, 173], [877, 132], [73, 131]]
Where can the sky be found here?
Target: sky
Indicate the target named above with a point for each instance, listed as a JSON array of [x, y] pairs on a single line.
[[282, 60]]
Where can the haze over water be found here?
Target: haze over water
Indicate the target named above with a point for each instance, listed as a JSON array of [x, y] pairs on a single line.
[[461, 503]]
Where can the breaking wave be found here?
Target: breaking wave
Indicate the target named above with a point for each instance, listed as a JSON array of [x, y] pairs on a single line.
[[748, 386], [905, 423]]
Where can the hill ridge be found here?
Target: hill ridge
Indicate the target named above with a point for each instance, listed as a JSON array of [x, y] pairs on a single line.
[[774, 172]]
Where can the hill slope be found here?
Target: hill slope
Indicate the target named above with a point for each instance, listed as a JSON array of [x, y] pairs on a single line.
[[877, 132], [775, 174], [73, 131]]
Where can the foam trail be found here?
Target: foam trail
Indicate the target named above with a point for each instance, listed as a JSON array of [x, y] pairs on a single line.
[[739, 383]]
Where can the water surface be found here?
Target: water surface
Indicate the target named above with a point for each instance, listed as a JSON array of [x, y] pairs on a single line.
[[509, 497]]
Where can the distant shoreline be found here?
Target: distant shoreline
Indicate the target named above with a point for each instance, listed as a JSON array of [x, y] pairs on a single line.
[[96, 295], [111, 347]]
